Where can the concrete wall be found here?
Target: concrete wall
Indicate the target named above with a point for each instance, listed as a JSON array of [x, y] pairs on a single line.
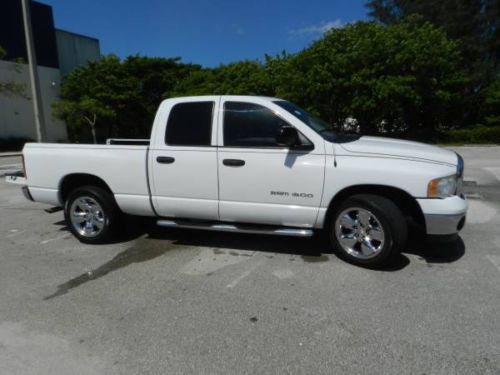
[[75, 50], [16, 113]]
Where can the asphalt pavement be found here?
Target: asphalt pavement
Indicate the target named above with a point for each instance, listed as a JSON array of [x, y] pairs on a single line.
[[191, 302]]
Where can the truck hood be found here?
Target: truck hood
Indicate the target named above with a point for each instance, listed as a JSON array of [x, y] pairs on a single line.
[[398, 148]]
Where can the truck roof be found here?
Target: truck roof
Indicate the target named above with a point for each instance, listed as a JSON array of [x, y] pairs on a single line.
[[201, 97]]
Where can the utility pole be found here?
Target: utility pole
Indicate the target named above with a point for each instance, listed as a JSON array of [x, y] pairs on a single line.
[[33, 67]]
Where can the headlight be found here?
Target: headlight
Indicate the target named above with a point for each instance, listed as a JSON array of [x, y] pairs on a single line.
[[442, 187]]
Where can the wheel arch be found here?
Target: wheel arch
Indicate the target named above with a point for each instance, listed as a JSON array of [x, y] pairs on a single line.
[[72, 181], [405, 202]]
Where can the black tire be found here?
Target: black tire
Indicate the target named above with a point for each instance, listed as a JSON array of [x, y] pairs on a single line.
[[109, 214], [386, 214]]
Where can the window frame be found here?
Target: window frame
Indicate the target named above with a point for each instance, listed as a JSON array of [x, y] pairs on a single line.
[[305, 147], [212, 121]]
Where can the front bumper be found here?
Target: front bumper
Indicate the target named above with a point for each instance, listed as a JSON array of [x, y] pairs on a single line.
[[444, 224], [444, 216]]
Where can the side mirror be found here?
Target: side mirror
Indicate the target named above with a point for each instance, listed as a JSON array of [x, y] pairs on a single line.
[[287, 137]]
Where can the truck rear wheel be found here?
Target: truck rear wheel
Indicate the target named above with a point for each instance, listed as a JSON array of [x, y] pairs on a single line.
[[91, 214], [367, 230]]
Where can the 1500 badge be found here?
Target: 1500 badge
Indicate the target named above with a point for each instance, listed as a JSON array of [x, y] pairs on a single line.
[[295, 195]]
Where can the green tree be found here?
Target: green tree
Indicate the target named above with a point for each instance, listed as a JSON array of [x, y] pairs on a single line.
[[404, 78], [85, 111], [118, 98], [93, 95], [150, 81], [475, 23], [490, 109], [240, 78]]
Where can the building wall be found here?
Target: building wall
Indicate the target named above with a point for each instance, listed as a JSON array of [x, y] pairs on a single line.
[[12, 32], [16, 113], [75, 50], [58, 52]]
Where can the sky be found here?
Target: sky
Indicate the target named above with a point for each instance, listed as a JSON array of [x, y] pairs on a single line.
[[201, 31]]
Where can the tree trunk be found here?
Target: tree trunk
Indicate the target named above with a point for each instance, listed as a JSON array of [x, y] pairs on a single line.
[[92, 126], [92, 129]]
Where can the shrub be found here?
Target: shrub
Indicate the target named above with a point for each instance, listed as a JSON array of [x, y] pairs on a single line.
[[476, 134]]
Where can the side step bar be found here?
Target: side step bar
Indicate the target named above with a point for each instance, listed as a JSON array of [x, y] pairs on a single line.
[[294, 232]]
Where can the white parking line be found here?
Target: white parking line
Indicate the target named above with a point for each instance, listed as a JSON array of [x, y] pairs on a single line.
[[495, 171], [14, 232], [495, 259], [245, 274], [66, 235], [283, 274]]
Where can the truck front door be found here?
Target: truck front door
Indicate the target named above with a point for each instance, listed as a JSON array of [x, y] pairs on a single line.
[[259, 180]]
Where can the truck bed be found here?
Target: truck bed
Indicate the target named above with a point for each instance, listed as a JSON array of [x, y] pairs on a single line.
[[122, 167]]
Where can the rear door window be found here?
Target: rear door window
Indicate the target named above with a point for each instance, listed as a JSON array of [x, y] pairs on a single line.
[[190, 124]]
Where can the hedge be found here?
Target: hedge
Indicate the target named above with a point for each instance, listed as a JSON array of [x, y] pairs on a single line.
[[476, 134]]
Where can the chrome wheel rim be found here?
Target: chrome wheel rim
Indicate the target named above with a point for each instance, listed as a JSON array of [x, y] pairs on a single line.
[[87, 216], [360, 233]]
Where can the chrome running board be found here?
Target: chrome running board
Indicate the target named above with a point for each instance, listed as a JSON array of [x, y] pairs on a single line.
[[255, 229]]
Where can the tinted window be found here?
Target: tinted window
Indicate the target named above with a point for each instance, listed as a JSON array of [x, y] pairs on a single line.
[[318, 125], [190, 124], [250, 125]]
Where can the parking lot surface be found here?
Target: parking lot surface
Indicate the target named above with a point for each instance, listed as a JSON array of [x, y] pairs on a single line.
[[191, 302]]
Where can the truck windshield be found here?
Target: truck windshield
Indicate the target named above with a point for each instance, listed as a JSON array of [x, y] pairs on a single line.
[[319, 126]]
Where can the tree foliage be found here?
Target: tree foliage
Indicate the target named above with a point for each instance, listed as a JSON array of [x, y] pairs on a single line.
[[474, 23], [118, 98], [240, 78], [93, 95], [404, 78], [490, 109]]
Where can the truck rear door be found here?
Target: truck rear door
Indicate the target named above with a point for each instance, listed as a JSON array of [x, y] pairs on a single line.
[[183, 159]]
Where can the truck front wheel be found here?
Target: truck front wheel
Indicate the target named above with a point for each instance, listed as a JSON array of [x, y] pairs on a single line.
[[367, 230], [91, 214]]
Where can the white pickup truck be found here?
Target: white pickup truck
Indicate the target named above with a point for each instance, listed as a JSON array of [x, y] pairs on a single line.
[[258, 165]]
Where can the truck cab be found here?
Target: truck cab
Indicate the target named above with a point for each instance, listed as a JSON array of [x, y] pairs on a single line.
[[222, 159]]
